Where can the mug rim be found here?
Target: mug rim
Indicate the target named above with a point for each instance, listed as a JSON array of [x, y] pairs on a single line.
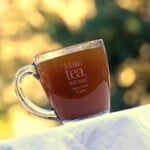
[[52, 54]]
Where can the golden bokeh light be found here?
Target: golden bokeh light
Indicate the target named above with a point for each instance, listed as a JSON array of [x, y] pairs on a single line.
[[5, 128], [73, 12], [139, 6], [145, 50], [24, 123], [23, 5], [9, 94], [130, 5], [126, 77], [131, 98], [134, 95], [145, 99]]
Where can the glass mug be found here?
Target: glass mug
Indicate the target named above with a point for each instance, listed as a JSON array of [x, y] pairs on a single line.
[[75, 80]]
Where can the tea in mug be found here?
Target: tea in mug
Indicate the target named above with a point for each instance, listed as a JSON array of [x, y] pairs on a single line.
[[77, 84]]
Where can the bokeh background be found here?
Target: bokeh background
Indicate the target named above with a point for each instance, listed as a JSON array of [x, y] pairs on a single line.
[[29, 27]]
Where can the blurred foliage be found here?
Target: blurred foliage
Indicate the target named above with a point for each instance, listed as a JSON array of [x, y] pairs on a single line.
[[33, 26]]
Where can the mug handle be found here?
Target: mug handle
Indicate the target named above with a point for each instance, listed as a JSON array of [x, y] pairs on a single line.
[[26, 102]]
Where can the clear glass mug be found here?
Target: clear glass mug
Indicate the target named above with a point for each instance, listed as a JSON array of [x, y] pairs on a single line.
[[75, 80]]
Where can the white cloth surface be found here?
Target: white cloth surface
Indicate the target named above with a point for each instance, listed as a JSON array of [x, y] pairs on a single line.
[[122, 130]]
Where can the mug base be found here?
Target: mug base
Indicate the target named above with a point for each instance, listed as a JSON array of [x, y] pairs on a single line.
[[83, 118]]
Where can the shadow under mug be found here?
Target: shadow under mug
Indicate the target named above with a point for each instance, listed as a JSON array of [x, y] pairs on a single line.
[[75, 80]]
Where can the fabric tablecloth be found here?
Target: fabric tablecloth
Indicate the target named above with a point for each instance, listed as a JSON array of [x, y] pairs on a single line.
[[122, 130]]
